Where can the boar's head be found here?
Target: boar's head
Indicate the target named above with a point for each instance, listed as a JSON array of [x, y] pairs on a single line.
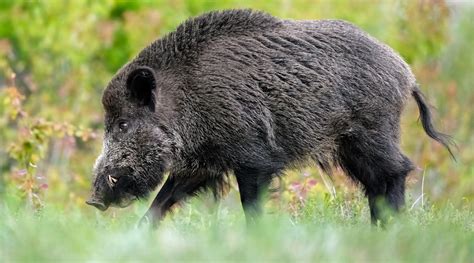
[[136, 143]]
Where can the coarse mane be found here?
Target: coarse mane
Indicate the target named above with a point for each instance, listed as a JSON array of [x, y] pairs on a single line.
[[189, 37]]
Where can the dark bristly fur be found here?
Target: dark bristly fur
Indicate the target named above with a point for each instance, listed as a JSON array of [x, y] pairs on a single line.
[[244, 93]]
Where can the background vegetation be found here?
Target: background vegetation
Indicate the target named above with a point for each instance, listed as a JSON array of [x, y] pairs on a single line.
[[57, 56]]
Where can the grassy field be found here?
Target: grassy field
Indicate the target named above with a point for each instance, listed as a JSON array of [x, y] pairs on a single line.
[[336, 231]]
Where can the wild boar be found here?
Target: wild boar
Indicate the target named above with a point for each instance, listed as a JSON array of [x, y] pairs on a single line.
[[242, 93]]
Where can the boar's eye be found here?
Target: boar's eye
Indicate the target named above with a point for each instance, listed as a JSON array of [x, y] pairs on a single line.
[[123, 126]]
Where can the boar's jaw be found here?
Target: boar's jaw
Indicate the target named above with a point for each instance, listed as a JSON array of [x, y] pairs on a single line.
[[97, 204], [125, 201]]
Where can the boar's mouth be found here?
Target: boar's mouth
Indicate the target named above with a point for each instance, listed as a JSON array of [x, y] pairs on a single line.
[[102, 207], [125, 202]]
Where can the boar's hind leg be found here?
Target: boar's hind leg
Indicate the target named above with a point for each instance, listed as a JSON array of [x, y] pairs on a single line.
[[374, 160], [252, 183]]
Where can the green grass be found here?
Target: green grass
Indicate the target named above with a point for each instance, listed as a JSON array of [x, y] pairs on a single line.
[[336, 231]]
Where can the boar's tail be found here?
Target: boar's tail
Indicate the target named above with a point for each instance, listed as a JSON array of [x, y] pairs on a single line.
[[426, 121]]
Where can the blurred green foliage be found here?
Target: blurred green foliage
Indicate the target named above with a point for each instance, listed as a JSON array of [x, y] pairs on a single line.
[[57, 56]]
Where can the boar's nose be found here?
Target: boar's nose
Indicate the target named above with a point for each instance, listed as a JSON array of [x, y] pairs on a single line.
[[98, 204]]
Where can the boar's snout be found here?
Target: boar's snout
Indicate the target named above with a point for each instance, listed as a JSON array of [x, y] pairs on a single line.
[[97, 204]]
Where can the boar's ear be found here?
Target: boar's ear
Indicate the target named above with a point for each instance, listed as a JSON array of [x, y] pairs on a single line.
[[142, 86]]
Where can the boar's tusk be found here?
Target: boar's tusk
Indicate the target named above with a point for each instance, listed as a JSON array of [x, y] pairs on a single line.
[[112, 180]]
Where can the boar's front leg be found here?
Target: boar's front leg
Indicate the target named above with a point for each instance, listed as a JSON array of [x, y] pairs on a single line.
[[175, 189], [252, 184]]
